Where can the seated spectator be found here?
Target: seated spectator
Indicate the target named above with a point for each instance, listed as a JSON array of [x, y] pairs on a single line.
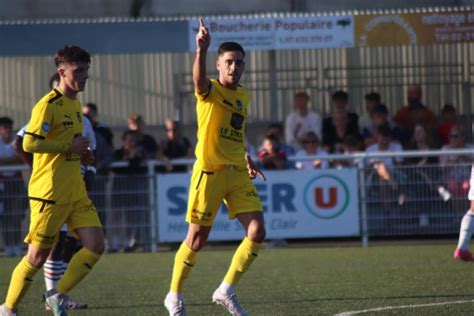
[[456, 175], [147, 142], [384, 166], [340, 100], [175, 145], [457, 140], [379, 116], [271, 156], [415, 112], [310, 143], [449, 119], [277, 130], [421, 140], [372, 100], [337, 130], [302, 120], [350, 145], [129, 201]]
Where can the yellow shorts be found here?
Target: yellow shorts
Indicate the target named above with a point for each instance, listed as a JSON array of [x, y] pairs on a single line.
[[47, 220], [208, 189]]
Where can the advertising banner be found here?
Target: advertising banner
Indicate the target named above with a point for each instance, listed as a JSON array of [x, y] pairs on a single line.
[[414, 28], [278, 33], [320, 203]]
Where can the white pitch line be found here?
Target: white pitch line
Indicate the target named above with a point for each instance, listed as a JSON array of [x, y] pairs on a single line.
[[381, 309]]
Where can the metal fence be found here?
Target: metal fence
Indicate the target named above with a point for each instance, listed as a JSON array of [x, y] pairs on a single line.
[[414, 201]]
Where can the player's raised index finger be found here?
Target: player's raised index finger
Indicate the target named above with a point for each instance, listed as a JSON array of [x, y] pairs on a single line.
[[201, 23]]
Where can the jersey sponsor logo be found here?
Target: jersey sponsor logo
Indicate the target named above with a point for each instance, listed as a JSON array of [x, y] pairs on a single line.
[[228, 103], [45, 237], [239, 105], [237, 121], [45, 127]]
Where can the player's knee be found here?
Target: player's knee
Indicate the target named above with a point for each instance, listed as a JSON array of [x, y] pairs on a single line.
[[37, 258], [256, 233], [197, 240]]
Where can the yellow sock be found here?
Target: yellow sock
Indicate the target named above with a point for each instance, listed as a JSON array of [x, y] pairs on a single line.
[[79, 266], [243, 258], [183, 263], [22, 277]]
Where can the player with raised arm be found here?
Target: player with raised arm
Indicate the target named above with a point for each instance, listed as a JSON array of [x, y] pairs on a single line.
[[56, 190], [467, 227], [222, 172]]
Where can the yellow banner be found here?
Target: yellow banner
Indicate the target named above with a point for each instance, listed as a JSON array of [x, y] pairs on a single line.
[[414, 28]]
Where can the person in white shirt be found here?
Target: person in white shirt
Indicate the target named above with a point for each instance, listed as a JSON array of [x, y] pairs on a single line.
[[311, 147], [301, 121]]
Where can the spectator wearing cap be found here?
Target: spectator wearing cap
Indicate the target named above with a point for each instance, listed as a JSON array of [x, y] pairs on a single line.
[[301, 121], [372, 100], [380, 117], [449, 119], [415, 112]]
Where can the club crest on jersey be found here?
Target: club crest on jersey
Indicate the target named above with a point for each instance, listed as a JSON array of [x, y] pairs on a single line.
[[239, 105], [45, 127], [79, 118]]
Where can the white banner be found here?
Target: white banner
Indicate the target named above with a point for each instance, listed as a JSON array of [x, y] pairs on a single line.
[[278, 33], [297, 204]]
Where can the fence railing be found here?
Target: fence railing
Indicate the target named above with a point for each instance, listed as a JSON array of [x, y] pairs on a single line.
[[412, 200]]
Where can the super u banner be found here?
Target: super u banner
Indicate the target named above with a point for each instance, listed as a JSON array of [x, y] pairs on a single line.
[[297, 204]]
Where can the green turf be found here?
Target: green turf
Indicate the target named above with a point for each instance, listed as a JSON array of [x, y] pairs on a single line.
[[303, 281]]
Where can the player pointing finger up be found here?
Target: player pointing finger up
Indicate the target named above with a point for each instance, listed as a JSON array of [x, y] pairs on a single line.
[[203, 39]]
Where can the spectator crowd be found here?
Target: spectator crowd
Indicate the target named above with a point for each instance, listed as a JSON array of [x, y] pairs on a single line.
[[305, 135]]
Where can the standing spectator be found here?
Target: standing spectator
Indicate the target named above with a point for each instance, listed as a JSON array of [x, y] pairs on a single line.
[[415, 112], [147, 142], [372, 100], [12, 192], [340, 100], [271, 156], [129, 202], [449, 120], [175, 145], [310, 142], [104, 155], [300, 121], [337, 129]]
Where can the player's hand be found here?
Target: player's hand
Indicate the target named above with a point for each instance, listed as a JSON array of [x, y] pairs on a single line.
[[253, 170], [80, 145], [203, 39], [87, 158]]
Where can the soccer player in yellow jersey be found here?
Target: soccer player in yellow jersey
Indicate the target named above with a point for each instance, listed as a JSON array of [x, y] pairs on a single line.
[[222, 172], [56, 190]]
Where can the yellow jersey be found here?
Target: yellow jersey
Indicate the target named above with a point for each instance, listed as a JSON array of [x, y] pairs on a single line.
[[221, 117], [56, 176]]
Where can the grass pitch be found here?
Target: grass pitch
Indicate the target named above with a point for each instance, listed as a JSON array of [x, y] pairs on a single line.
[[291, 281]]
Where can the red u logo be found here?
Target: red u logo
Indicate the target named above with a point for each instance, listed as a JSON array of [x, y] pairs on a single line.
[[319, 198]]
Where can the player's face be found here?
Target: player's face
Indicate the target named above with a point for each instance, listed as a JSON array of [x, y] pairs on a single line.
[[231, 65], [75, 75]]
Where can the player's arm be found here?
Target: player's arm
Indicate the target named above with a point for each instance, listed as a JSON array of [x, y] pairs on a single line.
[[203, 40], [35, 140], [17, 144]]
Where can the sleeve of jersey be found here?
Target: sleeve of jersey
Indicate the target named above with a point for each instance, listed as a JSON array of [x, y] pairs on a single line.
[[204, 96], [35, 140]]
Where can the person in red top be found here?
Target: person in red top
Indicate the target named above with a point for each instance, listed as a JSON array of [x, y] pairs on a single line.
[[415, 112], [271, 156], [449, 117]]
